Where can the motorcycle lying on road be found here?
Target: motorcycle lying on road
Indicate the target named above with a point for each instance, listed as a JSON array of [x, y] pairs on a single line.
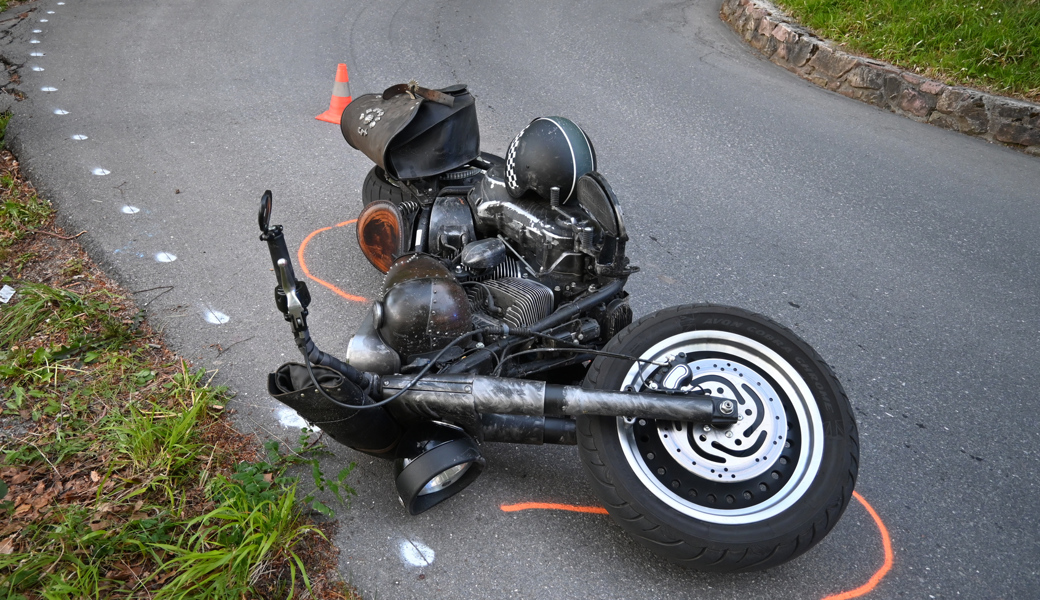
[[714, 436]]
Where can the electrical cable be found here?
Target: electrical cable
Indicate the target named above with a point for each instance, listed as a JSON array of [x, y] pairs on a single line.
[[408, 386], [504, 330]]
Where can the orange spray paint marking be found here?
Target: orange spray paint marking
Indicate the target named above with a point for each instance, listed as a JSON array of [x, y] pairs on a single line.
[[886, 542], [307, 272], [862, 590], [598, 510]]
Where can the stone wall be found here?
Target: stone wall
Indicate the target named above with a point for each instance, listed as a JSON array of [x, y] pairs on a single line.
[[788, 44]]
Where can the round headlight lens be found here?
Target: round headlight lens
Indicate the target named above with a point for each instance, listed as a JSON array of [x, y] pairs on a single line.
[[444, 479]]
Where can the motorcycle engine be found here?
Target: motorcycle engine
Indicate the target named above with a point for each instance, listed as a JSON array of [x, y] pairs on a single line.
[[492, 260]]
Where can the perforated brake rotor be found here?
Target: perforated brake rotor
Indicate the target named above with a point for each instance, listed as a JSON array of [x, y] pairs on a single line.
[[736, 453]]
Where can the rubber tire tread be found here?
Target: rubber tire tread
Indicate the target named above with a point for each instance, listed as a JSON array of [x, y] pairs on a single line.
[[687, 541], [376, 187]]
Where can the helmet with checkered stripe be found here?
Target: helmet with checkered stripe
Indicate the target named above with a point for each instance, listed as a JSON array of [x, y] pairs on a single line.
[[549, 152]]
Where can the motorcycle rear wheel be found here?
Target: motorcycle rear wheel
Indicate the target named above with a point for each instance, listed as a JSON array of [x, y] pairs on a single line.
[[742, 498], [376, 187]]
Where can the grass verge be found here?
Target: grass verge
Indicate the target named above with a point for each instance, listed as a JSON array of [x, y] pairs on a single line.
[[988, 44], [120, 474]]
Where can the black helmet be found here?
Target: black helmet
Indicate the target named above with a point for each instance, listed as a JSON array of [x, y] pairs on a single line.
[[549, 152]]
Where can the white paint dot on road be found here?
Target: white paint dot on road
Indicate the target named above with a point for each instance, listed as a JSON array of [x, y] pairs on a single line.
[[37, 69], [79, 137], [43, 20], [50, 12], [165, 257], [290, 419], [60, 111], [131, 210], [215, 317], [100, 172], [416, 554], [34, 41], [61, 4], [37, 31], [48, 89], [37, 54]]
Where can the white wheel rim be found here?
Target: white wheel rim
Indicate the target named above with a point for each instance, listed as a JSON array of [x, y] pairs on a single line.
[[739, 360]]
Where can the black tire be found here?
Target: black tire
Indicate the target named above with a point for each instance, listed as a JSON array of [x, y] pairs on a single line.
[[696, 497], [377, 187]]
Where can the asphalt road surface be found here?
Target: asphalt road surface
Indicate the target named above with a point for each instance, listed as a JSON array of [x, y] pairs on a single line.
[[906, 254]]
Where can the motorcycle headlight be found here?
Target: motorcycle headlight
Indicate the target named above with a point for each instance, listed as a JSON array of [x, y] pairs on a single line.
[[434, 462], [445, 478]]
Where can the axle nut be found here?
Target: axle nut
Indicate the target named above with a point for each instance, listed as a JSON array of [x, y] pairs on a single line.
[[726, 407]]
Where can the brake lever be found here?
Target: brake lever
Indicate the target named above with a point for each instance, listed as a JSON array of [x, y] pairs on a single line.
[[293, 304]]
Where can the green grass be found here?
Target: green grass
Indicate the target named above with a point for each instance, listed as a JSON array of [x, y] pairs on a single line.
[[992, 44], [131, 440], [118, 488], [19, 216], [153, 517], [21, 210], [84, 322], [225, 550]]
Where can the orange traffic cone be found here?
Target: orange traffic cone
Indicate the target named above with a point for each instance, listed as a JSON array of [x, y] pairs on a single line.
[[340, 96]]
